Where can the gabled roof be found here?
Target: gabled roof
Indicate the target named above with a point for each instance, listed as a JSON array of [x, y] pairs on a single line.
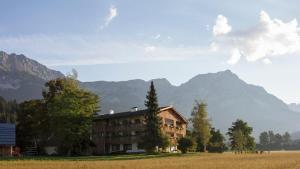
[[135, 113], [175, 111]]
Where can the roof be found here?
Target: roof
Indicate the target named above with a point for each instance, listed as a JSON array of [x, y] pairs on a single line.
[[135, 113], [7, 134]]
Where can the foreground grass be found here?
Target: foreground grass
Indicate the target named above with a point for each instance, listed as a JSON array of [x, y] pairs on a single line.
[[276, 160]]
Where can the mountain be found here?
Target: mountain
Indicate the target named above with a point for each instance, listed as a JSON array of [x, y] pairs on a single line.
[[22, 78], [294, 107], [227, 96]]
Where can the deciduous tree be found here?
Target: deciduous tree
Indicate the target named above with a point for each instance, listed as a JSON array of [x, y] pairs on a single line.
[[201, 125]]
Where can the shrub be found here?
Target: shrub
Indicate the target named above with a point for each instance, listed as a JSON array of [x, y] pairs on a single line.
[[184, 144]]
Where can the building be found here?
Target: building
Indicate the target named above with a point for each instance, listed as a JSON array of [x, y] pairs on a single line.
[[7, 139], [121, 132]]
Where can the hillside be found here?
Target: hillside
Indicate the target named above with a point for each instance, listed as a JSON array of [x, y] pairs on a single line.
[[22, 78]]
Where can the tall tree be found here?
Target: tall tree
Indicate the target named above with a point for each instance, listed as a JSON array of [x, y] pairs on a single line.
[[240, 136], [70, 110], [63, 118], [32, 124], [201, 125], [153, 136]]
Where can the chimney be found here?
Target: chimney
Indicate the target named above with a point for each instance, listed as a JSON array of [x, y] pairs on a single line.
[[133, 109]]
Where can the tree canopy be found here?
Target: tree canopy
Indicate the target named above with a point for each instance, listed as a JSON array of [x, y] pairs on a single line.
[[240, 136], [8, 110], [201, 125], [64, 114]]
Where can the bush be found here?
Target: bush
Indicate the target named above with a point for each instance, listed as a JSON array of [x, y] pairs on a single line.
[[184, 144]]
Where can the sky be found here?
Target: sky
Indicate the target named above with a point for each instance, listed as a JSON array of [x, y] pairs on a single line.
[[133, 39]]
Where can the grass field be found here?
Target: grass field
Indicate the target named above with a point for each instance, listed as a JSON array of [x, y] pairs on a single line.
[[275, 160]]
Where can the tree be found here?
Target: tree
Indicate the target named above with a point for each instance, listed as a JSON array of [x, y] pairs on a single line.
[[184, 144], [153, 137], [240, 136], [286, 138], [8, 110], [216, 142], [63, 118], [264, 138], [70, 110], [275, 141], [278, 141], [239, 141], [271, 137], [32, 124], [201, 125]]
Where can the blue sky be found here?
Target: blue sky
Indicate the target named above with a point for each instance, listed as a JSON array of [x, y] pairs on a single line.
[[129, 39]]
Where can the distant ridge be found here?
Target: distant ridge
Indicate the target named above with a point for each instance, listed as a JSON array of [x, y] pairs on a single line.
[[228, 97]]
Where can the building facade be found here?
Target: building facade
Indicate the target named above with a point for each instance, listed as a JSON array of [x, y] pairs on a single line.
[[7, 139], [121, 132]]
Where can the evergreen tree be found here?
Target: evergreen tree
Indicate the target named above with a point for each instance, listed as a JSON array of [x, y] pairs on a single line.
[[153, 136], [201, 125]]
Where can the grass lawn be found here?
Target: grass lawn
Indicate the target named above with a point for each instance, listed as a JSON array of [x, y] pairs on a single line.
[[275, 160]]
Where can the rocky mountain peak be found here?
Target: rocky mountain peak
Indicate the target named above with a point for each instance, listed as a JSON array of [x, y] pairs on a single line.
[[14, 63]]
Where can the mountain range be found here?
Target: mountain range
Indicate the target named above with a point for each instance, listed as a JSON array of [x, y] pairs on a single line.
[[227, 96]]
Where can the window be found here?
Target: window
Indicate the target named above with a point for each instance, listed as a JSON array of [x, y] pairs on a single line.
[[169, 122], [115, 147], [127, 147]]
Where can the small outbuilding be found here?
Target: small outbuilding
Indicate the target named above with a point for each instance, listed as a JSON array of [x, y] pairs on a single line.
[[7, 138]]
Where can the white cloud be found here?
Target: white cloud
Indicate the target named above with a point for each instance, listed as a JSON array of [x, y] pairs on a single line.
[[235, 57], [268, 38], [221, 27], [113, 12], [58, 50], [267, 61]]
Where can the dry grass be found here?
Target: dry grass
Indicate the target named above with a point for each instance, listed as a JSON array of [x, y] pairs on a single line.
[[276, 160]]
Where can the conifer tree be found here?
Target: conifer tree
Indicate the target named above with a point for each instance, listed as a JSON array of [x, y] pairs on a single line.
[[153, 137]]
